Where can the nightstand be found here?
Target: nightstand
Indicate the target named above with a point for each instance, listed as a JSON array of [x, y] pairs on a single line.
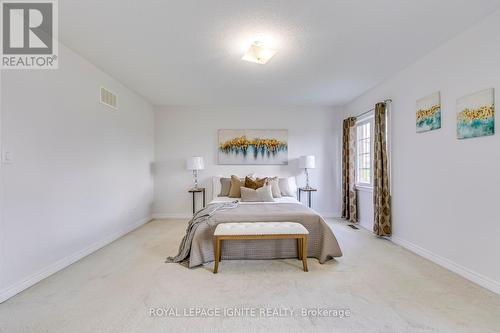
[[194, 191], [309, 192]]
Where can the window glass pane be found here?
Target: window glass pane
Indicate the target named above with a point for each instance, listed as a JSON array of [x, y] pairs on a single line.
[[363, 154]]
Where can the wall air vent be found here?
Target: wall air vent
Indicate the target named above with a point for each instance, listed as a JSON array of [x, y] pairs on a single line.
[[108, 98]]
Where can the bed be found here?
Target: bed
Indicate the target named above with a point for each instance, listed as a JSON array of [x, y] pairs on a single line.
[[322, 242]]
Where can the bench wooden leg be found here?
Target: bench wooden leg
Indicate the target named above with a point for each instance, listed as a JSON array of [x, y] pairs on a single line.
[[220, 250], [299, 248], [216, 254], [304, 252]]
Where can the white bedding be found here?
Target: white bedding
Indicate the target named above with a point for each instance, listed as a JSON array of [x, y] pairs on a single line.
[[276, 200]]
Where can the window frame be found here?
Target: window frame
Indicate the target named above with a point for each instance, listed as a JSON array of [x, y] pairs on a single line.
[[366, 119]]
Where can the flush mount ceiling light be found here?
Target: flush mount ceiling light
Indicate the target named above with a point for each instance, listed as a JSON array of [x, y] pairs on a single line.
[[258, 53]]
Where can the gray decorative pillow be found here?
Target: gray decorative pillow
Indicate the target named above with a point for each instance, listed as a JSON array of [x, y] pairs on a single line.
[[262, 194], [275, 188], [225, 187]]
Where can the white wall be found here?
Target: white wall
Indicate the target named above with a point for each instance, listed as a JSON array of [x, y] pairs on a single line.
[[81, 174], [446, 191], [181, 132]]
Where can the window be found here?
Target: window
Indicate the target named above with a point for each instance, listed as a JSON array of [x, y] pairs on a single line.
[[364, 129]]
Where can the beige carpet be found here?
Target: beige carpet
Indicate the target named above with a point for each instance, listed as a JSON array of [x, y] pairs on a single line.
[[385, 288]]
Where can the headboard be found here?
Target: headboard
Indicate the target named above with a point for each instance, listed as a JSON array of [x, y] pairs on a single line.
[[216, 186]]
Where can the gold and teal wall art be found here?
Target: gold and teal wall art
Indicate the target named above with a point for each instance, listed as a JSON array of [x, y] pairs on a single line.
[[253, 146], [429, 113], [476, 114]]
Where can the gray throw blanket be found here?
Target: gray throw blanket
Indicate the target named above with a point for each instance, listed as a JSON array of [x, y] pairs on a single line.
[[201, 216]]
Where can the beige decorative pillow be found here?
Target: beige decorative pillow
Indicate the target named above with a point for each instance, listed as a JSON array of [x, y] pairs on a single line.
[[254, 183], [225, 187], [275, 188], [235, 189], [262, 194]]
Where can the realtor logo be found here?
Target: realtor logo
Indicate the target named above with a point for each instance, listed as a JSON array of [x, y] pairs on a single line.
[[29, 34]]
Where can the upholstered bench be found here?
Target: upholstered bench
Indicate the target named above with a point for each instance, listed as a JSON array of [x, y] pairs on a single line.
[[261, 230]]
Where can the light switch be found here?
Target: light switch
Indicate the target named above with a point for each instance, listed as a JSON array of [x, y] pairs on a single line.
[[7, 158]]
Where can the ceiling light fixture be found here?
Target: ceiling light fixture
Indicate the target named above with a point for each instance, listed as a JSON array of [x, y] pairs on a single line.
[[258, 53]]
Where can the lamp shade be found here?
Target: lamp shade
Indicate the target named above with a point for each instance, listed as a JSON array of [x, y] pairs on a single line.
[[195, 163], [307, 162]]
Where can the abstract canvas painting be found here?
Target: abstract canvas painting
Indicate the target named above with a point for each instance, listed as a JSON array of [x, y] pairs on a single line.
[[476, 114], [253, 146], [429, 113]]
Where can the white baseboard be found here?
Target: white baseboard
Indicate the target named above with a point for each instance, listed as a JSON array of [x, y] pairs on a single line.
[[16, 288], [331, 215], [166, 216], [477, 278]]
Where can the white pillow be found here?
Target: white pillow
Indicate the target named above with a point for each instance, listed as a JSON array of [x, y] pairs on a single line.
[[262, 194], [288, 186], [275, 188]]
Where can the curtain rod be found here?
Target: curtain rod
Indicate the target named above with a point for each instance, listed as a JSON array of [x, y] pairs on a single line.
[[387, 101]]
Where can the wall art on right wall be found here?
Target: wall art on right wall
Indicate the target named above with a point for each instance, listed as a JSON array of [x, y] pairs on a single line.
[[476, 114], [429, 113]]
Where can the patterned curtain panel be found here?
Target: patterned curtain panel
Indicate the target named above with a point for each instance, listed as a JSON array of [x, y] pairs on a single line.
[[381, 190], [349, 199]]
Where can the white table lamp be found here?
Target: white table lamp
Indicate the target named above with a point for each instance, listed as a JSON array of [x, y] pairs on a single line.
[[195, 163], [306, 163]]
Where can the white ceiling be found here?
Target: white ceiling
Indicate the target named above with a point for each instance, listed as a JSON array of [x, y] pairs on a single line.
[[188, 52]]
